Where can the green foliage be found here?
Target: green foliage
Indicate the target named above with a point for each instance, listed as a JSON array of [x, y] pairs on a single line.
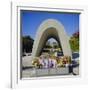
[[47, 46], [27, 44], [56, 46], [74, 42]]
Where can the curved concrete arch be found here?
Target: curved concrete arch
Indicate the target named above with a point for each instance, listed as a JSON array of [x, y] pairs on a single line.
[[51, 28]]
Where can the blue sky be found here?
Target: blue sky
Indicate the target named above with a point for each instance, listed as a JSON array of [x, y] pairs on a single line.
[[31, 20]]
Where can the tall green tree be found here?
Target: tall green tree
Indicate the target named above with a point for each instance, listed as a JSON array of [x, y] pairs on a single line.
[[27, 44], [74, 42]]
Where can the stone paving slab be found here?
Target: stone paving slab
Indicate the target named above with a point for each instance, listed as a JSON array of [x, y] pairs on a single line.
[[26, 61], [62, 71], [41, 72], [44, 72]]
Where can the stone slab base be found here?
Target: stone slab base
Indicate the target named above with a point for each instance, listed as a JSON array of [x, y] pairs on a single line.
[[44, 72]]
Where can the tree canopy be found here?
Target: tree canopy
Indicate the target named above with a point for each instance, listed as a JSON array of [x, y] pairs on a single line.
[[27, 43], [74, 41]]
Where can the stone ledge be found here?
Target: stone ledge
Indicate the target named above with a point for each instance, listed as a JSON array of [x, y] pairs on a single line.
[[45, 72]]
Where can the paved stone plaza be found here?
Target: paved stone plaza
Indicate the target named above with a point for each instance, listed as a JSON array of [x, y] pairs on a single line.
[[48, 72]]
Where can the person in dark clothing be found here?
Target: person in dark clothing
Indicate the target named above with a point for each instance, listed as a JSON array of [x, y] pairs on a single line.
[[71, 69]]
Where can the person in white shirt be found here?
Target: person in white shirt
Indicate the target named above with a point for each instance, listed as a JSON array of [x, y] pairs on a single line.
[[41, 62], [54, 63], [45, 62], [50, 64]]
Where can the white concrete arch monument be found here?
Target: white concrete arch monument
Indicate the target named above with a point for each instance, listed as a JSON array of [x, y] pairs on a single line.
[[51, 28]]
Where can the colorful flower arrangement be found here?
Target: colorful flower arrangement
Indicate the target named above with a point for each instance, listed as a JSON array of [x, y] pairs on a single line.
[[51, 61]]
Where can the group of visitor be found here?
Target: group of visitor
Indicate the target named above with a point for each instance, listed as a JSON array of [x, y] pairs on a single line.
[[47, 62], [51, 62]]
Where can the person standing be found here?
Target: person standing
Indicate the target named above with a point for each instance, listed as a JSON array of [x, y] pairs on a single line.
[[45, 62]]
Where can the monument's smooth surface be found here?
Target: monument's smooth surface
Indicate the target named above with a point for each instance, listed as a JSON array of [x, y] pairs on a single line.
[[51, 28]]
